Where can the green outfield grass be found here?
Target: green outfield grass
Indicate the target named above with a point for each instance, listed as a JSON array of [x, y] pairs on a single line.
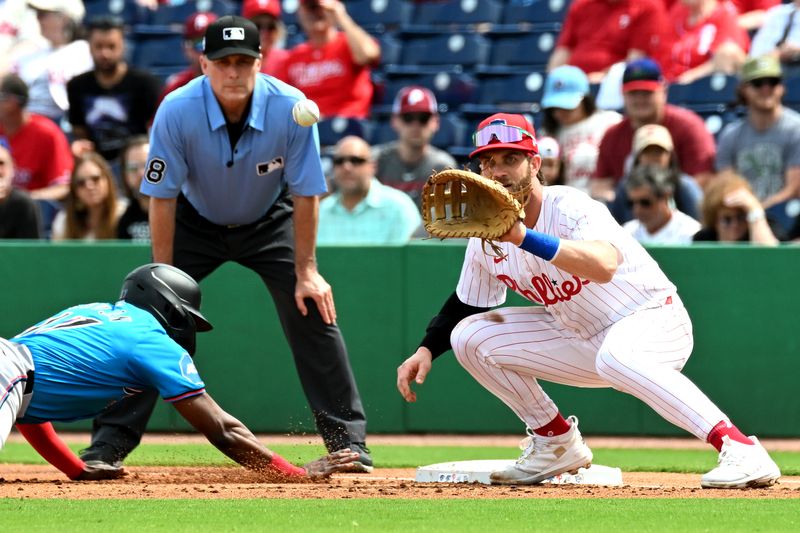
[[629, 460], [403, 516], [407, 516]]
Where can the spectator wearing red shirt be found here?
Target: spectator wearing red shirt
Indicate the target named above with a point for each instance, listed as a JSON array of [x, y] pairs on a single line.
[[266, 15], [599, 33], [332, 67], [41, 152], [751, 12], [703, 37], [645, 102], [193, 31]]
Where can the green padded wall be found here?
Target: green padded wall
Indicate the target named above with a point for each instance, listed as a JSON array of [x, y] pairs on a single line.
[[742, 301]]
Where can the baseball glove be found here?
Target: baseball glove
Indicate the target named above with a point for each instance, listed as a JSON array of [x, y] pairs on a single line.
[[460, 203]]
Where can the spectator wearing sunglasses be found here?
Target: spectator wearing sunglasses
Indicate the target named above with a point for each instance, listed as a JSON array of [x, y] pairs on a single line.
[[134, 224], [363, 210], [266, 15], [193, 30], [649, 191], [653, 145], [732, 213], [333, 66], [764, 146], [91, 210], [406, 163]]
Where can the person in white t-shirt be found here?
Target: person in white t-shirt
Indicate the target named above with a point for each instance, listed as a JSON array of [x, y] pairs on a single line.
[[571, 116], [780, 34], [656, 220]]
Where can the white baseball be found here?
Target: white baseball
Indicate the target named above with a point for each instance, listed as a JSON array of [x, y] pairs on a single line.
[[305, 112]]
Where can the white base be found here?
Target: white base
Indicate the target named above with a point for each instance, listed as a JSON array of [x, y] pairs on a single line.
[[478, 472]]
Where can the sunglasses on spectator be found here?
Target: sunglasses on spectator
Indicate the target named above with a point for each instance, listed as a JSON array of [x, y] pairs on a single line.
[[133, 167], [83, 181], [197, 44], [760, 82], [644, 203], [501, 132], [422, 118], [730, 220], [352, 159]]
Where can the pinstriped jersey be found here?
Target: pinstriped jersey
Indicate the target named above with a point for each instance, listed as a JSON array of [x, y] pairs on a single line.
[[585, 307]]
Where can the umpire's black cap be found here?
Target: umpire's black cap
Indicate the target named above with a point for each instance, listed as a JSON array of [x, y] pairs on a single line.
[[231, 35]]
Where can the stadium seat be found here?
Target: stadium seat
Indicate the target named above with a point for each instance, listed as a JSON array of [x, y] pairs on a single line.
[[379, 15], [177, 13], [710, 90], [128, 10], [511, 89], [456, 12], [519, 52], [152, 50], [545, 13], [451, 88], [334, 128], [452, 131], [784, 214], [792, 95], [464, 49], [289, 12], [391, 48]]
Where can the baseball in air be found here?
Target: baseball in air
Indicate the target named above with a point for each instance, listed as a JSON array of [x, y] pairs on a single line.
[[305, 112]]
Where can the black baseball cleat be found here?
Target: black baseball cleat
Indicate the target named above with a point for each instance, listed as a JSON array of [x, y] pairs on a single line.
[[364, 463], [101, 456]]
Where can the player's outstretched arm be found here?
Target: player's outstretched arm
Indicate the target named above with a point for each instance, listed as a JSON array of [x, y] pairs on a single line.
[[232, 438], [49, 445]]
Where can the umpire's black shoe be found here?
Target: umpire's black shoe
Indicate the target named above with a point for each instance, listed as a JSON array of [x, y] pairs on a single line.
[[364, 463], [101, 454]]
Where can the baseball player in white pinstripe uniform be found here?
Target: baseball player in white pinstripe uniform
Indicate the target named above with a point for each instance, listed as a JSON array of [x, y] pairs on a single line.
[[608, 317]]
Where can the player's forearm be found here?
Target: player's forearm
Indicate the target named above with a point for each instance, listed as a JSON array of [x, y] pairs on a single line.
[[162, 228], [47, 443], [593, 260], [437, 335], [306, 214]]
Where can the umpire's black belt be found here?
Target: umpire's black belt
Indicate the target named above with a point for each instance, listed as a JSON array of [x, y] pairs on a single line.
[[186, 212]]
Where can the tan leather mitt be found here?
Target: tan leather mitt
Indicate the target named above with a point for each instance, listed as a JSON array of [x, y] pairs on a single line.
[[460, 204]]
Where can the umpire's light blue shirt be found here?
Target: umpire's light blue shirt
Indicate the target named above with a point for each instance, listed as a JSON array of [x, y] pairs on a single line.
[[190, 152]]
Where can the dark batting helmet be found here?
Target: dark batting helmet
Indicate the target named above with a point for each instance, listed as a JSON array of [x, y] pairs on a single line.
[[171, 296]]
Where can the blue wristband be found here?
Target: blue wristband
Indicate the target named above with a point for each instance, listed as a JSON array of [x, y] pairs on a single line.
[[540, 244]]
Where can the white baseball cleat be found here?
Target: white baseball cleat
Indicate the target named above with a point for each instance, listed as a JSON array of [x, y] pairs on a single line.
[[545, 457], [741, 466]]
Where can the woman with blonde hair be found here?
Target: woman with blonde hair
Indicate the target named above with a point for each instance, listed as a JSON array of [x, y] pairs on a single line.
[[732, 213], [91, 209]]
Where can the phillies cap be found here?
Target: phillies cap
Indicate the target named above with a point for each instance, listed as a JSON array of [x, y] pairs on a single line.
[[230, 35], [652, 135], [642, 75], [196, 24], [565, 87], [414, 99], [253, 8], [504, 131]]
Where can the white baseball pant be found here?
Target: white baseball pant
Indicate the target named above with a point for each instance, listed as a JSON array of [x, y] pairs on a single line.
[[14, 367], [508, 350]]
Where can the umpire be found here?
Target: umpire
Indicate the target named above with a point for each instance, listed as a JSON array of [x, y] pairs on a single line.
[[233, 178]]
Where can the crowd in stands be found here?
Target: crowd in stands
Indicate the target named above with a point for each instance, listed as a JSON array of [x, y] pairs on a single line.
[[399, 88]]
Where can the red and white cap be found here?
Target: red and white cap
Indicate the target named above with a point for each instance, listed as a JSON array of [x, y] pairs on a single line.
[[414, 99], [195, 26], [253, 8], [505, 131]]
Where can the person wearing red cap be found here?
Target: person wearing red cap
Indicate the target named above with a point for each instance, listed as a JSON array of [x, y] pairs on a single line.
[[332, 67], [266, 15], [406, 163], [607, 316], [193, 30]]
